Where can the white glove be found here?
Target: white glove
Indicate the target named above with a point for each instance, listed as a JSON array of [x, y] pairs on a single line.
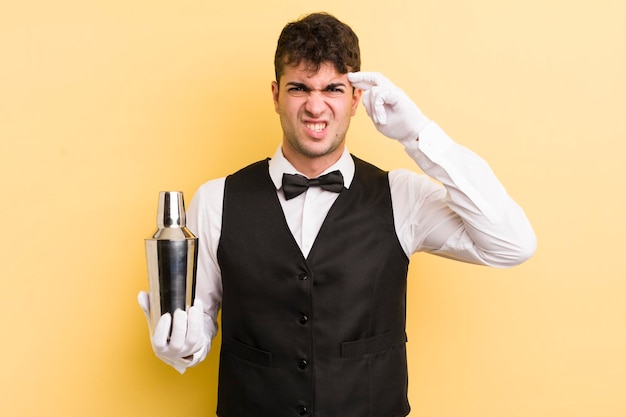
[[180, 344], [394, 114]]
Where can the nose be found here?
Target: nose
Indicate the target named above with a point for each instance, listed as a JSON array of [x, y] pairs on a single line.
[[315, 103]]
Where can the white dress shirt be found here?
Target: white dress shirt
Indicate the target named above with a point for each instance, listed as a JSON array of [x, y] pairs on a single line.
[[470, 218]]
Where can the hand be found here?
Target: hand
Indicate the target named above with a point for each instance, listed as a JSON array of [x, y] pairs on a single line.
[[394, 114], [180, 342]]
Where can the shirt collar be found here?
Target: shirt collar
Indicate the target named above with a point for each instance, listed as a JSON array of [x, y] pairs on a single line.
[[279, 165]]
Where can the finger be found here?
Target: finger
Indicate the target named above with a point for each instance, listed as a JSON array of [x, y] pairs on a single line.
[[367, 103], [371, 100], [363, 80], [143, 298], [195, 325], [144, 302], [162, 332], [367, 80], [179, 330], [379, 107], [363, 85], [198, 302]]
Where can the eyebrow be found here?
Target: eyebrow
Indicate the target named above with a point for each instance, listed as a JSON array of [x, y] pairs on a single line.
[[334, 85], [306, 87], [295, 84]]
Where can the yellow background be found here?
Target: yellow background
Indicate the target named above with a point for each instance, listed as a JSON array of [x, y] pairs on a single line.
[[105, 103]]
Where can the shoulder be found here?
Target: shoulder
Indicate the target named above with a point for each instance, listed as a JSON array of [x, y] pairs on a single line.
[[209, 196], [210, 188], [406, 182], [369, 173], [256, 166], [366, 166]]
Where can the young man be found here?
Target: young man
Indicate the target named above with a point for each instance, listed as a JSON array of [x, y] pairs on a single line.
[[307, 253]]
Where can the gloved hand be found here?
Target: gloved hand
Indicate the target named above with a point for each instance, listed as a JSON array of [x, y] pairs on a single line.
[[186, 343], [394, 114]]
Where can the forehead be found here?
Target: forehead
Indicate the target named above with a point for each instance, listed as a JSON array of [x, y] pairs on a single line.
[[327, 74]]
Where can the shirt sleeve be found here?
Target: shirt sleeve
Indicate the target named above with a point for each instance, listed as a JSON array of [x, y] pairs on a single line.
[[465, 214], [204, 219]]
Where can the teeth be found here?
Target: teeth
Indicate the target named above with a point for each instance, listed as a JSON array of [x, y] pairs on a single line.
[[316, 127]]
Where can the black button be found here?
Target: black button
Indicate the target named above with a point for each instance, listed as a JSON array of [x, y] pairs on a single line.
[[302, 410], [302, 363], [303, 277], [304, 319]]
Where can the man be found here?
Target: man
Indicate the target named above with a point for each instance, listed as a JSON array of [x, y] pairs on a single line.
[[312, 281]]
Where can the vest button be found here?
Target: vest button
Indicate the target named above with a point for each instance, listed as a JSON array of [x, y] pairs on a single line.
[[303, 277], [302, 363], [304, 319], [303, 410]]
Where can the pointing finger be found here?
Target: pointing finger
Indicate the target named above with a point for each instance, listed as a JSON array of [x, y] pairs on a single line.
[[366, 80], [362, 80]]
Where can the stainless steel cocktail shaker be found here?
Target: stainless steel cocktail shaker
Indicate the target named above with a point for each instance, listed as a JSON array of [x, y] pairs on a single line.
[[171, 256]]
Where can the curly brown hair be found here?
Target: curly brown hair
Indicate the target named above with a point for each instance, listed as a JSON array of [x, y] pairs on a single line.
[[315, 39]]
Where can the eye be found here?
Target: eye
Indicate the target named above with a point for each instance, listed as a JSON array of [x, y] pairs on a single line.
[[334, 91], [297, 90]]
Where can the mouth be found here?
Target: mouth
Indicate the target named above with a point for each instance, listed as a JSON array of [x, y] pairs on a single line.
[[316, 127]]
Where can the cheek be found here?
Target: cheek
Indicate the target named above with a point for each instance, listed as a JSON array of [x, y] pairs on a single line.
[[289, 108], [350, 109], [280, 107]]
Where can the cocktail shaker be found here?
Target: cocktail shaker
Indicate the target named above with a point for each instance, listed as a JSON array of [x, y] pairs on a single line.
[[171, 254]]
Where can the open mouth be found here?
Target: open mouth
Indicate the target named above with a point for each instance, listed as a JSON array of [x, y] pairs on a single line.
[[315, 127]]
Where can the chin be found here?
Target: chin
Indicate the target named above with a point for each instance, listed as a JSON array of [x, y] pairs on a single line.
[[318, 149]]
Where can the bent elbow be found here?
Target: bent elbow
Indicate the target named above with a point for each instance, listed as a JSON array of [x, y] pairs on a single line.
[[519, 252], [529, 249]]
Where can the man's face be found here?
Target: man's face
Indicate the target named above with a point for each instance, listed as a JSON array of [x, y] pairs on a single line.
[[315, 111]]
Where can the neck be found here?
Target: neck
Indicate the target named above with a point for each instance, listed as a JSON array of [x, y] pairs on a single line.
[[312, 166]]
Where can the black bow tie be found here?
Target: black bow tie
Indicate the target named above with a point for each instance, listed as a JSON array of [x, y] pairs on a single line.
[[296, 184]]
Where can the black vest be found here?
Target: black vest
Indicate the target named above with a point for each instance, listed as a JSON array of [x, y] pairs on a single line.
[[322, 336]]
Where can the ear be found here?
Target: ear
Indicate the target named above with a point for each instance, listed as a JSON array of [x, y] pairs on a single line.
[[356, 98], [275, 95]]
